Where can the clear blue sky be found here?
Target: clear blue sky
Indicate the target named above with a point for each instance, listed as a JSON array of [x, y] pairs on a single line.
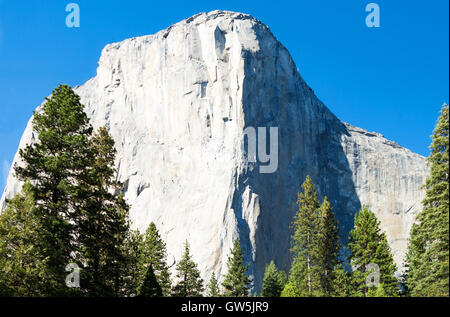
[[391, 79]]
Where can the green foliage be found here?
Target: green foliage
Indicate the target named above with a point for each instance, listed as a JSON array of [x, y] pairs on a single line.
[[340, 282], [368, 246], [314, 243], [273, 282], [22, 268], [236, 283], [290, 290], [213, 287], [189, 282], [80, 216], [150, 287], [56, 164], [428, 250], [377, 292], [153, 253]]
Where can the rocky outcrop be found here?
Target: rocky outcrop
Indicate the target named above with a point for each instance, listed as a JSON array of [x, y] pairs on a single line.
[[178, 104]]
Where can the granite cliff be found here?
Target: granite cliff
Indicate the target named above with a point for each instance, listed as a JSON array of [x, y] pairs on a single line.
[[178, 104]]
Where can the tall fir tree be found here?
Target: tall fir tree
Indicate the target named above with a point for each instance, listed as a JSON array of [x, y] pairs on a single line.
[[103, 226], [55, 164], [236, 283], [329, 245], [314, 243], [340, 282], [150, 287], [213, 287], [428, 250], [189, 282], [22, 267], [153, 253], [369, 247], [273, 281]]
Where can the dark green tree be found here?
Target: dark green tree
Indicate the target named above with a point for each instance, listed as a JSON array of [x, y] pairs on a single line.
[[55, 164], [340, 282], [153, 253], [150, 287], [273, 282], [236, 283], [189, 282], [328, 247], [213, 287], [428, 250], [103, 226], [314, 243], [369, 249], [22, 268]]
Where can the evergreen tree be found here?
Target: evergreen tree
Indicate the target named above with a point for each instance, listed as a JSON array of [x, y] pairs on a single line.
[[305, 272], [22, 268], [150, 287], [273, 282], [236, 283], [290, 290], [339, 282], [213, 287], [189, 282], [428, 250], [368, 247], [103, 227], [314, 243], [153, 253], [329, 245], [82, 218], [55, 164]]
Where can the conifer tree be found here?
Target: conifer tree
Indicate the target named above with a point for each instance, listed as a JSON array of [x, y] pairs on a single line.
[[340, 282], [236, 283], [153, 252], [305, 272], [368, 247], [55, 164], [150, 287], [103, 227], [314, 243], [213, 287], [273, 282], [428, 250], [290, 290], [329, 245], [22, 268], [189, 282]]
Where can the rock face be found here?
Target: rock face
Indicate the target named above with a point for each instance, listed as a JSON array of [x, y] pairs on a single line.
[[178, 103]]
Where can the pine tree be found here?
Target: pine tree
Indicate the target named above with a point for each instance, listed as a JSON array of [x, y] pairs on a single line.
[[213, 287], [428, 250], [55, 164], [273, 282], [103, 227], [22, 268], [189, 282], [236, 283], [329, 245], [368, 247], [290, 290], [339, 282], [153, 252], [150, 287], [314, 243]]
